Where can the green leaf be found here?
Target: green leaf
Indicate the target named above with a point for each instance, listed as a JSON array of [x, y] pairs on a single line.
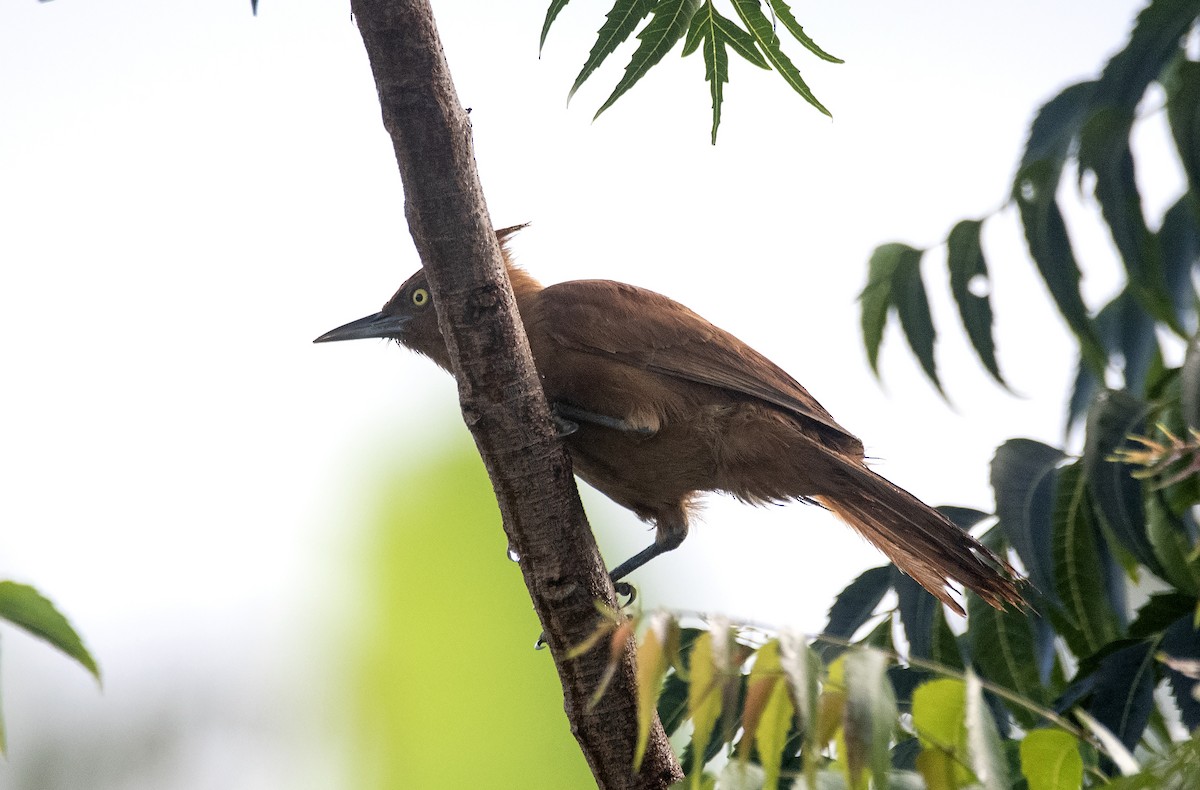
[[1189, 382], [1123, 691], [855, 604], [1113, 748], [551, 14], [669, 24], [968, 276], [704, 698], [1104, 150], [784, 14], [912, 305], [938, 715], [1172, 546], [23, 606], [1118, 496], [1183, 114], [1054, 130], [944, 648], [1022, 476], [1082, 587], [894, 280], [768, 730], [621, 21], [1179, 240], [870, 716], [1003, 649], [917, 608], [653, 660], [1050, 760], [802, 668], [987, 756], [760, 27], [717, 32], [1181, 642], [1154, 42]]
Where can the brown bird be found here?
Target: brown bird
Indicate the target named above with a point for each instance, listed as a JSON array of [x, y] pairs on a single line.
[[656, 405]]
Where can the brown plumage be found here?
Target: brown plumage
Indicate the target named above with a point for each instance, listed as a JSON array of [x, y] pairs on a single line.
[[657, 405]]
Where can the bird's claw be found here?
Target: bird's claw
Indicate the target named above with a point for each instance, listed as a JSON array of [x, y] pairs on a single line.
[[626, 589]]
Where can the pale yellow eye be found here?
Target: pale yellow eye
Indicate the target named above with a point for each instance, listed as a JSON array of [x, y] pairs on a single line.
[[420, 297]]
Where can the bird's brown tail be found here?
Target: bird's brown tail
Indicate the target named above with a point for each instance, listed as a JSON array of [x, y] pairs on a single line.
[[919, 540]]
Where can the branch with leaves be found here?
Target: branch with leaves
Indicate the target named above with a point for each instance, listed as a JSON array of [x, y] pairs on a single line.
[[703, 29]]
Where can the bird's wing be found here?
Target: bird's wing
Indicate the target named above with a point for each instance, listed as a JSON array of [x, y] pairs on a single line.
[[647, 330]]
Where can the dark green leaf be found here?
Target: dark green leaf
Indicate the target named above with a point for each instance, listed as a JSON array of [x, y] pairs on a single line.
[[1189, 383], [785, 16], [1118, 496], [622, 20], [551, 14], [1079, 566], [1104, 150], [908, 292], [667, 26], [969, 283], [672, 703], [1181, 641], [1160, 611], [760, 27], [1003, 650], [963, 517], [25, 607], [716, 32], [1053, 131], [917, 609], [1183, 113], [1124, 692], [878, 297], [1179, 240], [1155, 41], [944, 647], [1023, 480], [856, 603], [1126, 331], [1172, 544]]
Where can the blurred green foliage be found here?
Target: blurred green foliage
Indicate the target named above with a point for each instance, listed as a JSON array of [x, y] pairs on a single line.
[[447, 688]]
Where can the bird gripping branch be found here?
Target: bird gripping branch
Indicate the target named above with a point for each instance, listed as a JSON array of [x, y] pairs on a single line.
[[656, 406]]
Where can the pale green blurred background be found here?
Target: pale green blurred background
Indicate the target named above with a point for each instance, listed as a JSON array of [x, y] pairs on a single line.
[[285, 557]]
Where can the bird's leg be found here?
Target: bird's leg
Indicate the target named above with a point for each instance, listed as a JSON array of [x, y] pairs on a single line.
[[565, 413], [671, 529]]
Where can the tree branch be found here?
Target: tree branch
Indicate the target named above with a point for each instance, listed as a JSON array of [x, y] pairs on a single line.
[[501, 397]]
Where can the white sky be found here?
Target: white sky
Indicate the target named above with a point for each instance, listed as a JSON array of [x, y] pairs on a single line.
[[189, 195]]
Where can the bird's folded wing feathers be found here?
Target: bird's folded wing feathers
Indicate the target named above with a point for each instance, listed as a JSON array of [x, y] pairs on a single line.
[[671, 340]]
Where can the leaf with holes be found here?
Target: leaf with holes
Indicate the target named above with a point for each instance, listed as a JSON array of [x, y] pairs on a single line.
[[1054, 131], [968, 284]]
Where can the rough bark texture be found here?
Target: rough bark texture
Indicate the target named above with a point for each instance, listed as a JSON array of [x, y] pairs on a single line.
[[501, 398]]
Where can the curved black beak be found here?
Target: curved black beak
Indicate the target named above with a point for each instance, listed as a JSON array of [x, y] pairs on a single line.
[[377, 325]]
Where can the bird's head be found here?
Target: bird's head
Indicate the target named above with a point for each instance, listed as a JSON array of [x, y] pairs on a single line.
[[409, 317]]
